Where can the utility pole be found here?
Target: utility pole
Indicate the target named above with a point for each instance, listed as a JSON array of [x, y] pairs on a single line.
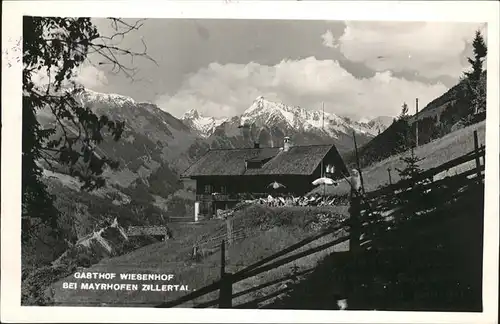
[[416, 122], [323, 126], [322, 166], [323, 129], [357, 162]]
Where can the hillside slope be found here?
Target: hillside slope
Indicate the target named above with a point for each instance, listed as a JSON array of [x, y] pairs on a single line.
[[447, 100], [431, 262], [441, 116], [435, 153]]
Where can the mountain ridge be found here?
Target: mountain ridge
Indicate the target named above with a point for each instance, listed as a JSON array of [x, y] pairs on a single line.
[[268, 122], [294, 116]]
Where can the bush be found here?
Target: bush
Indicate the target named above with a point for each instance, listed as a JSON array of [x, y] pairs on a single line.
[[265, 217], [35, 286]]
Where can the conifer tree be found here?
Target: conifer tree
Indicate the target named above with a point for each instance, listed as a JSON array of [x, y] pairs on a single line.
[[412, 167], [404, 111], [480, 50], [475, 79]]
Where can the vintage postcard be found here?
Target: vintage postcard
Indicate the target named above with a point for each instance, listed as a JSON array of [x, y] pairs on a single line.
[[250, 161]]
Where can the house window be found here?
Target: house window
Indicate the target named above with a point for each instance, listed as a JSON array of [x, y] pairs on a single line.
[[204, 208], [254, 165], [223, 190], [208, 189]]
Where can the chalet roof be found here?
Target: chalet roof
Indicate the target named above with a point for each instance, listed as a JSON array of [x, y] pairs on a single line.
[[298, 160], [146, 230], [263, 156]]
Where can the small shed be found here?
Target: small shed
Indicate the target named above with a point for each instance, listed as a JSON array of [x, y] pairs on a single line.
[[161, 233]]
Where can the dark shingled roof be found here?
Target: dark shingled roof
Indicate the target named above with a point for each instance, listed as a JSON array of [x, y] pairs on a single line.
[[298, 160], [263, 156]]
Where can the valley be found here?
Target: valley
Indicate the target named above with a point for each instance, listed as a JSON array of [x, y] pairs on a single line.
[[155, 149]]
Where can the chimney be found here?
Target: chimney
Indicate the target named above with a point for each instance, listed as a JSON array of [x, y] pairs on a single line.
[[286, 144], [256, 145]]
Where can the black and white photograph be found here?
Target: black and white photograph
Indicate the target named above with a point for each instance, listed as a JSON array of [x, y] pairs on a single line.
[[252, 164]]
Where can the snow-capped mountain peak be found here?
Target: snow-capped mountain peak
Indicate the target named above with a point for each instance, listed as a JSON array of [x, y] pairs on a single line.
[[364, 120], [204, 126], [377, 124], [93, 96], [265, 112], [191, 114]]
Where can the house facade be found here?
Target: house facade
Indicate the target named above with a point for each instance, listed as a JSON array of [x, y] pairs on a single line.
[[225, 177]]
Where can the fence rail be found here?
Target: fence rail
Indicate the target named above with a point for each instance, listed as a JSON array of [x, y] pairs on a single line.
[[366, 212], [429, 174]]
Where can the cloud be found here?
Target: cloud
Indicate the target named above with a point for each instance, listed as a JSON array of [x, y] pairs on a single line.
[[227, 90], [329, 40], [432, 49], [90, 77], [86, 75]]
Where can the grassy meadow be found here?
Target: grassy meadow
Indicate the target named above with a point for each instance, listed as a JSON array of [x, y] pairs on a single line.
[[263, 231]]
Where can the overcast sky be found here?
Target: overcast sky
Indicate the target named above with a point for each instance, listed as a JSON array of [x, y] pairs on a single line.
[[359, 69]]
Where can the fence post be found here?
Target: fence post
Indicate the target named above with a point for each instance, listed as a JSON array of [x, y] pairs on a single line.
[[355, 213], [222, 258], [476, 151], [195, 252], [416, 122], [357, 162], [226, 285], [229, 229]]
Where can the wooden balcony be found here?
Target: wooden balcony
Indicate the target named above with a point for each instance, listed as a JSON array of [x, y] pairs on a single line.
[[216, 197]]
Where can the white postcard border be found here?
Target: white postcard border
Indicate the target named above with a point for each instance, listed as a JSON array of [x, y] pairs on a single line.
[[458, 11]]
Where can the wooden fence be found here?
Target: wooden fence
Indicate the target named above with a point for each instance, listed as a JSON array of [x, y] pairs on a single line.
[[370, 215], [185, 219], [224, 235]]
